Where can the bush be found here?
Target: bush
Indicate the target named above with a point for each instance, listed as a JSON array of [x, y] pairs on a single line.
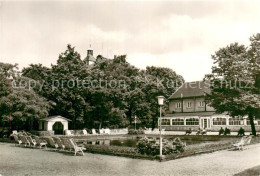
[[4, 133], [151, 146], [135, 132], [227, 131], [241, 132], [188, 131], [221, 131], [179, 145]]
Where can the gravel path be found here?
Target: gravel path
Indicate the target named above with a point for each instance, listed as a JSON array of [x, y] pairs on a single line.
[[26, 161]]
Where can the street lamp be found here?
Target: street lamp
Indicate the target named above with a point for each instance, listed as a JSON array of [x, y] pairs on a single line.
[[160, 102]]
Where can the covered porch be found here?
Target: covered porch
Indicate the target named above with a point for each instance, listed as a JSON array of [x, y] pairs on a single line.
[[57, 124]]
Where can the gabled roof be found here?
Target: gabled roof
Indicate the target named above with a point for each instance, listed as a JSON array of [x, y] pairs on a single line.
[[52, 117], [191, 89]]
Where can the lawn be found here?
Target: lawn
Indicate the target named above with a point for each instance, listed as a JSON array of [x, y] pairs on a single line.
[[125, 145]]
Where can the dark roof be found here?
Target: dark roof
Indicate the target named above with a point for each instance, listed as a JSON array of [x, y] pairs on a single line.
[[57, 116], [191, 89], [192, 114]]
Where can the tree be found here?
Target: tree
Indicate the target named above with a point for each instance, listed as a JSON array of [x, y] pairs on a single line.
[[235, 80], [7, 71], [162, 82], [20, 103], [115, 91], [60, 85]]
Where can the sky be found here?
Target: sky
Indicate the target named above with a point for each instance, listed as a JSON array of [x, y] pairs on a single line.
[[181, 35]]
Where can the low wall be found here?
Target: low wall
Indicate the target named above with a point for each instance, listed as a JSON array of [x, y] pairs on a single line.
[[233, 128], [46, 133], [180, 128], [112, 131], [119, 131]]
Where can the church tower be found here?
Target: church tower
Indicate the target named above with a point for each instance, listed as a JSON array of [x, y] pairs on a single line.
[[90, 59]]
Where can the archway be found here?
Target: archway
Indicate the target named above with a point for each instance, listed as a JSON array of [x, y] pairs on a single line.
[[58, 128]]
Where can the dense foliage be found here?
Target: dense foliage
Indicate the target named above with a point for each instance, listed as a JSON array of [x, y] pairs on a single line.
[[20, 107], [235, 80], [108, 93]]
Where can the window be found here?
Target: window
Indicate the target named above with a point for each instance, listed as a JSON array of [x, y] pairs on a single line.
[[219, 121], [177, 121], [192, 121], [256, 122], [189, 104], [165, 122], [236, 121], [178, 105], [201, 104]]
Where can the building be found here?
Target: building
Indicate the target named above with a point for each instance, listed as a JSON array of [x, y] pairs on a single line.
[[188, 109], [90, 59], [56, 124]]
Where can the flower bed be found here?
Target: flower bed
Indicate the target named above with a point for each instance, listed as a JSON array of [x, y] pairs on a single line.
[[151, 146], [117, 151], [194, 149]]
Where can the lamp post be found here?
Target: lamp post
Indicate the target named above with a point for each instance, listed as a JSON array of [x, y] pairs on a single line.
[[160, 102]]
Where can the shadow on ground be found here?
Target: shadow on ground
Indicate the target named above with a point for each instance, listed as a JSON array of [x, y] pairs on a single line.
[[250, 172]]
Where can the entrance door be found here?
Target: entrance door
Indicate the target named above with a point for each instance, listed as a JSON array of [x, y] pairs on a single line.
[[204, 123], [58, 128]]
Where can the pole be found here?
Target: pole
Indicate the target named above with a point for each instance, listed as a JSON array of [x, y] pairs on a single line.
[[10, 114], [160, 123], [135, 123]]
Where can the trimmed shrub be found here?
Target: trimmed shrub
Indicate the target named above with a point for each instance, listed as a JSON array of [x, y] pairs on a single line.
[[227, 131], [221, 131], [188, 132], [135, 132], [241, 132]]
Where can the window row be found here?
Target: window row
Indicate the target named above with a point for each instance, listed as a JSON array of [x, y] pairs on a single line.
[[216, 121], [190, 121], [189, 104]]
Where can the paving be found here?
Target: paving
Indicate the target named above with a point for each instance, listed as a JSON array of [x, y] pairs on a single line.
[[25, 161]]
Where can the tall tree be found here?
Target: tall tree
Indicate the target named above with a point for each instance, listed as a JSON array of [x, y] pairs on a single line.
[[66, 91], [235, 80], [115, 91], [18, 100]]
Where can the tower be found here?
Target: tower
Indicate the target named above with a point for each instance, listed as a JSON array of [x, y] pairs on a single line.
[[90, 58]]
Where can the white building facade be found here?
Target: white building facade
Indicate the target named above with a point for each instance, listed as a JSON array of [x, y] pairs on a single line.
[[58, 124], [188, 110]]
